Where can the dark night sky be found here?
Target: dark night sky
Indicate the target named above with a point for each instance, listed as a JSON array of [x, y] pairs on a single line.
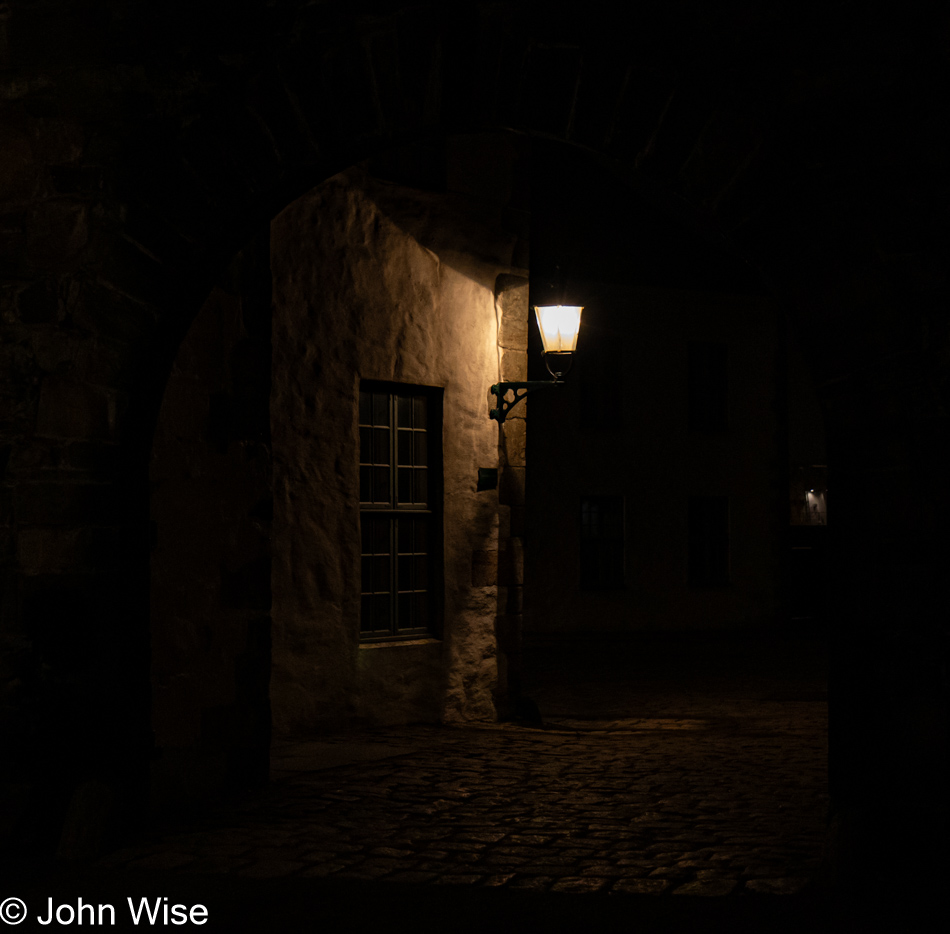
[[600, 228]]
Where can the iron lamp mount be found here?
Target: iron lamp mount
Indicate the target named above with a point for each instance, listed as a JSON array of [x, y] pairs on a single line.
[[558, 325], [520, 390]]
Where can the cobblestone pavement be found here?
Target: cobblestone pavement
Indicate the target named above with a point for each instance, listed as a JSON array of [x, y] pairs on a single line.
[[697, 785]]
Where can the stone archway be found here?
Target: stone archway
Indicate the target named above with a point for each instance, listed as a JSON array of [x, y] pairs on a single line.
[[211, 507]]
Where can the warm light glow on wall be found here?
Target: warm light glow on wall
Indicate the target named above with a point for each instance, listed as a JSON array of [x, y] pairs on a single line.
[[559, 325]]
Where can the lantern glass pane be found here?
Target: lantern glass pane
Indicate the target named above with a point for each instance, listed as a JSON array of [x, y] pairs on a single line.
[[559, 325]]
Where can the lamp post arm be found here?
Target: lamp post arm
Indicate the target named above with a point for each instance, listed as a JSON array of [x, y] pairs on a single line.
[[520, 390]]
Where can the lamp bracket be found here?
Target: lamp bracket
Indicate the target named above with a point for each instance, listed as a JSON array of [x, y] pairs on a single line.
[[520, 390]]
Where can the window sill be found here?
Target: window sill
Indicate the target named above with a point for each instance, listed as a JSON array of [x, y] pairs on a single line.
[[394, 643]]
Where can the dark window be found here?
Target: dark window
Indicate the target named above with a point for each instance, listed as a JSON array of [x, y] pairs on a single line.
[[602, 542], [400, 497], [708, 541], [600, 381], [708, 385]]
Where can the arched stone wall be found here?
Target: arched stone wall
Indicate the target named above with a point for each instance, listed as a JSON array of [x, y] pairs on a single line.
[[142, 145], [211, 509]]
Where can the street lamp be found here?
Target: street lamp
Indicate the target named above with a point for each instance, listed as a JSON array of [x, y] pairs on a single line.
[[559, 325]]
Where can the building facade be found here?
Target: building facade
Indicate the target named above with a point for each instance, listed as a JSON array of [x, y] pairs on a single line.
[[654, 472], [393, 308]]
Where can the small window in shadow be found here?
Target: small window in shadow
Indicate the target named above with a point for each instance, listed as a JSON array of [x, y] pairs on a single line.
[[708, 541], [708, 387], [600, 383], [602, 543]]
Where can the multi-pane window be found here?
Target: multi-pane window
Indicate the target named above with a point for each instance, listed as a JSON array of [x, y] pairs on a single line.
[[400, 480], [708, 531], [708, 386], [602, 543]]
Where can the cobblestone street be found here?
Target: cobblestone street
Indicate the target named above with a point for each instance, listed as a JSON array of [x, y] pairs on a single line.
[[685, 785], [647, 806], [657, 772]]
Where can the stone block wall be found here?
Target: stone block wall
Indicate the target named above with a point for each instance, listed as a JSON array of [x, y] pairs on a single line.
[[511, 303]]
